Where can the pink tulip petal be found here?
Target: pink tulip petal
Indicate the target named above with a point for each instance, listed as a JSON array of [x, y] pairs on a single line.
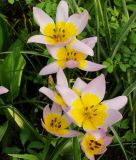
[[71, 64], [61, 78], [3, 90], [43, 125], [102, 151], [116, 103], [53, 50], [96, 87], [113, 117], [69, 120], [90, 157], [37, 39], [67, 94], [46, 110], [56, 109], [90, 66], [47, 92], [49, 69], [41, 17], [79, 85], [62, 11], [81, 47], [80, 20], [107, 140], [72, 133], [95, 133], [91, 41]]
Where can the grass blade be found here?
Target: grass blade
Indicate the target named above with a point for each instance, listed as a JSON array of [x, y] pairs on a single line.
[[119, 141]]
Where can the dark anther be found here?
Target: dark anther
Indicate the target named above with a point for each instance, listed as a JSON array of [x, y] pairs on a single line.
[[55, 119], [96, 147], [71, 52], [75, 59], [91, 140], [86, 108], [98, 144], [90, 117], [74, 53], [59, 126], [54, 36], [68, 53], [92, 106], [90, 144], [63, 31], [91, 148], [52, 124], [63, 35], [56, 125], [54, 30], [95, 110], [95, 114], [59, 122]]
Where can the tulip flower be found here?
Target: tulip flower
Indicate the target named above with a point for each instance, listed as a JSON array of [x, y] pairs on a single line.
[[67, 57], [88, 110], [56, 123], [95, 146], [63, 31]]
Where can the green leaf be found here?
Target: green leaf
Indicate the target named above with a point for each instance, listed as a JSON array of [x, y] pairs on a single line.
[[120, 143], [24, 156], [129, 136], [58, 149], [130, 89], [131, 7], [11, 1], [123, 67], [4, 37], [76, 149], [11, 72], [14, 115], [123, 33], [3, 129], [24, 136], [124, 124], [35, 145]]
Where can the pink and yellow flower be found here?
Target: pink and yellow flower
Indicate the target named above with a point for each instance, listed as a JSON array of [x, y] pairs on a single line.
[[67, 57], [63, 30], [95, 146], [88, 110], [62, 81], [3, 90], [56, 123]]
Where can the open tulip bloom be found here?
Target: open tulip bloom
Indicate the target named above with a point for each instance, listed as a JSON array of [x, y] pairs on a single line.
[[3, 90], [56, 123], [95, 146], [62, 81], [63, 31], [67, 57], [88, 110]]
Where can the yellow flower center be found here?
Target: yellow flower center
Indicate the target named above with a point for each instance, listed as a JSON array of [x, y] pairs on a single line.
[[70, 54], [89, 112], [59, 32], [91, 145], [55, 124]]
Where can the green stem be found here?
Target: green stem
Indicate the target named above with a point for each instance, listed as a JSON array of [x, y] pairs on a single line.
[[125, 9], [119, 141]]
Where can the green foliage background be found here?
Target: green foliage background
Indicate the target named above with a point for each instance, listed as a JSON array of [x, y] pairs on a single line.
[[21, 134]]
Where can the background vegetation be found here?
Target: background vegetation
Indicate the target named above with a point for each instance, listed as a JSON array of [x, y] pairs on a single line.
[[21, 134]]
